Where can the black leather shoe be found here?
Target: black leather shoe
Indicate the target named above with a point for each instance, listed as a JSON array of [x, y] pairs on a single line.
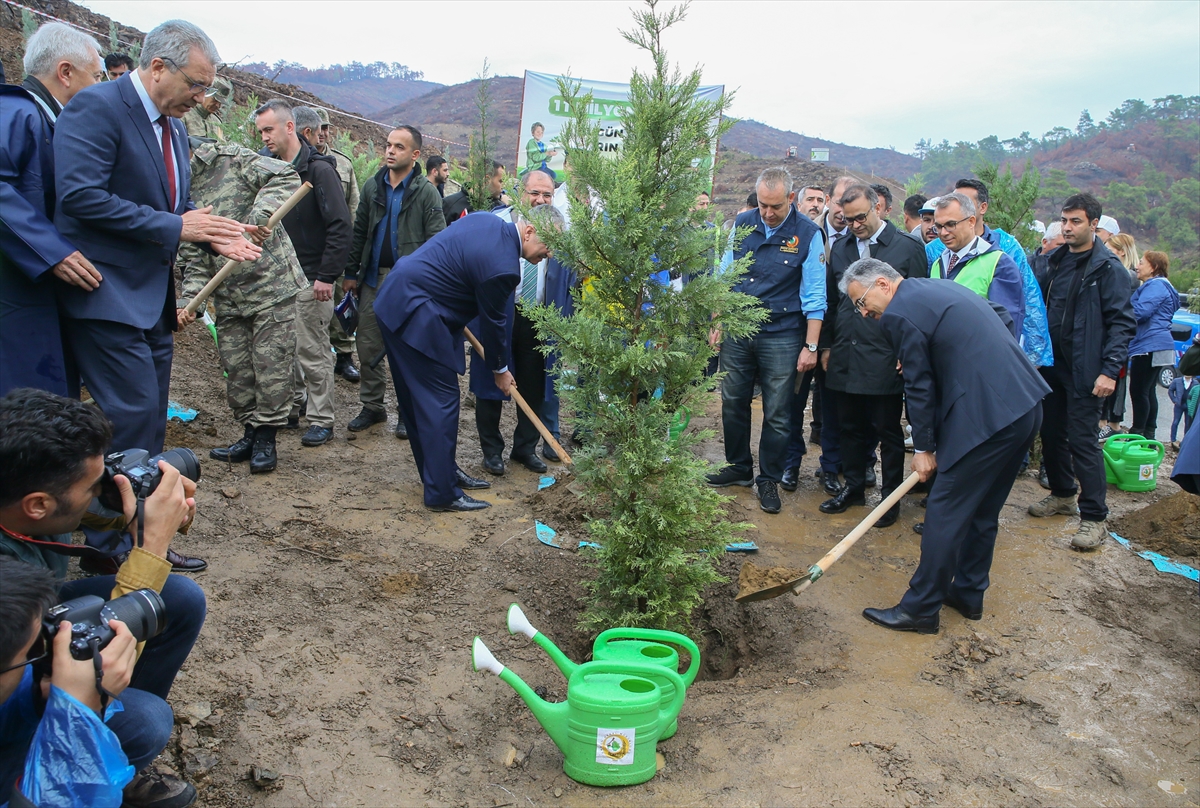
[[1043, 477], [869, 479], [239, 452], [366, 418], [263, 458], [919, 528], [293, 422], [889, 516], [461, 505], [344, 367], [814, 437], [829, 481], [843, 501], [401, 430], [791, 479], [470, 483], [493, 464], [182, 563], [316, 435], [969, 612], [530, 461], [768, 496], [549, 453], [897, 619]]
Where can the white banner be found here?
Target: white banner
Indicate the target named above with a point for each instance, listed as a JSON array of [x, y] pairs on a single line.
[[543, 111]]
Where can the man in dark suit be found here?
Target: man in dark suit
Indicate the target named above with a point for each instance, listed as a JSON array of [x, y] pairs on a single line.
[[122, 175], [860, 366], [527, 362], [974, 401], [469, 270]]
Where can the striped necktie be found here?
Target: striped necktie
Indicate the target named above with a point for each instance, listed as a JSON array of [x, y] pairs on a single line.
[[953, 262], [529, 279]]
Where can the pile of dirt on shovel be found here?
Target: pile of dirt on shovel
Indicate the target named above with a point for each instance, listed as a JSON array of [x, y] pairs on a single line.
[[561, 507], [1170, 526]]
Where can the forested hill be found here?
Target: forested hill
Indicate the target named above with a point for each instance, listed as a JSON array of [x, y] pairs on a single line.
[[365, 89]]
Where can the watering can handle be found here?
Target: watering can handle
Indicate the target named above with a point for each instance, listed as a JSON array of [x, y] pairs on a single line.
[[656, 635], [1140, 443], [643, 671]]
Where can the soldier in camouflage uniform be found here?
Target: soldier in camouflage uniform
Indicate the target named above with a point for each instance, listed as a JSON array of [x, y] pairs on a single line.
[[204, 119], [315, 129], [256, 304]]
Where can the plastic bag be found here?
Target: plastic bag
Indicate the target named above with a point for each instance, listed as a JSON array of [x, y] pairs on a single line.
[[347, 313], [74, 758]]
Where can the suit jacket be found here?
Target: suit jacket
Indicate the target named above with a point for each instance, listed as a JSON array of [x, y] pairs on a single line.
[[861, 359], [965, 377], [466, 271], [113, 205]]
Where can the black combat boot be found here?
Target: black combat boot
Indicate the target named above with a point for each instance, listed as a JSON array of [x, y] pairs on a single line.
[[264, 459], [238, 452]]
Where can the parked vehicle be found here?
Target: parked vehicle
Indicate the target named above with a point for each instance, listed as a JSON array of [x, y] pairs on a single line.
[[1184, 327]]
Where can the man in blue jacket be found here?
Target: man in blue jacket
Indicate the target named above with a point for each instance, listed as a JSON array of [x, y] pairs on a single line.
[[122, 175], [466, 271], [60, 61], [788, 278]]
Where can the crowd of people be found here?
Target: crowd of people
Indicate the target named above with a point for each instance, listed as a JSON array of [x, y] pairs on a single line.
[[116, 175]]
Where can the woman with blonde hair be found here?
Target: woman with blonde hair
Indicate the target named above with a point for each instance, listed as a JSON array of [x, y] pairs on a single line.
[[1112, 410]]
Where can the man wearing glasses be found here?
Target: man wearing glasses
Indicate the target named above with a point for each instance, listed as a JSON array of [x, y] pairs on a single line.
[[122, 175], [971, 261]]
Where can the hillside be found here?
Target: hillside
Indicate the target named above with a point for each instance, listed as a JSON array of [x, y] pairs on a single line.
[[761, 140], [363, 89]]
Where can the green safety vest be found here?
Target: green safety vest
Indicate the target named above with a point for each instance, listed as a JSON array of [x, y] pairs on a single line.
[[976, 275]]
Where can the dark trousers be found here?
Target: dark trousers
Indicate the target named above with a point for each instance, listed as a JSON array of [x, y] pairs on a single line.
[[962, 517], [796, 447], [144, 726], [428, 399], [1112, 407], [127, 370], [529, 372], [1142, 392], [769, 356], [1069, 446], [864, 421]]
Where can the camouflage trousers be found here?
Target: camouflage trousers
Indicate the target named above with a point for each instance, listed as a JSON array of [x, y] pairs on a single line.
[[258, 352]]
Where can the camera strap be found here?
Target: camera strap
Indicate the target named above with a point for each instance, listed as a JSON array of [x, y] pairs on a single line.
[[98, 663], [62, 548]]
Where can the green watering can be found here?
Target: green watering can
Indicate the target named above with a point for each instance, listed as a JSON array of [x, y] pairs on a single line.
[[609, 726], [632, 646], [679, 422], [1131, 462]]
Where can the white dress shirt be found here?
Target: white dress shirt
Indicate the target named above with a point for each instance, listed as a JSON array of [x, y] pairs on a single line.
[[864, 247], [153, 114]]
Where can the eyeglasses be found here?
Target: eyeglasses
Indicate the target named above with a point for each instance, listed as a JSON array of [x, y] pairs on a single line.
[[196, 86], [37, 652], [949, 225], [861, 302], [859, 219]]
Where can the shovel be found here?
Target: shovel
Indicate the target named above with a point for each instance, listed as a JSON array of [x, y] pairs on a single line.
[[798, 585]]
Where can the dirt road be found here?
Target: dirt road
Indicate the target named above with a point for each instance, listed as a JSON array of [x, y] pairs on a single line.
[[335, 661]]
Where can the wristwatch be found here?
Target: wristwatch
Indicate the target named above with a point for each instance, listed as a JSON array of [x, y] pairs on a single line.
[[812, 346]]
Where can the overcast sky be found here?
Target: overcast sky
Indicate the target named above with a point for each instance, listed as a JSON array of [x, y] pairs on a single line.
[[865, 73]]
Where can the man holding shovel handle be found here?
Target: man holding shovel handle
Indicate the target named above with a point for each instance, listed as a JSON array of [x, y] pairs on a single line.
[[974, 402]]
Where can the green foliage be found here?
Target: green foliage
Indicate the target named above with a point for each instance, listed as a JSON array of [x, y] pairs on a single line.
[[914, 185], [1056, 189], [635, 351], [239, 124], [1179, 223], [1012, 200], [362, 156], [29, 23], [114, 41], [482, 145]]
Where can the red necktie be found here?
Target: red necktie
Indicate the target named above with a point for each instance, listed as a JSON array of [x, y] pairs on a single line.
[[953, 261], [168, 159]]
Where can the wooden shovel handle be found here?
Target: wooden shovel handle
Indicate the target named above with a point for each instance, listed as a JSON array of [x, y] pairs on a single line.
[[517, 397]]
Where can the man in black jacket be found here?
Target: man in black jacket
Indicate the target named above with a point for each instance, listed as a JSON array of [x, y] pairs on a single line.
[[860, 366], [458, 205], [1091, 322], [973, 400], [320, 230]]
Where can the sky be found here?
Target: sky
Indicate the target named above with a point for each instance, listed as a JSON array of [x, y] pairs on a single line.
[[881, 74]]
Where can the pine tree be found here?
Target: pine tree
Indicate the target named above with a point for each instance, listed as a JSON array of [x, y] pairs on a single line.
[[482, 145], [636, 350]]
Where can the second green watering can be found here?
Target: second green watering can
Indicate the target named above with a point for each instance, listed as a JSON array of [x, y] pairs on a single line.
[[640, 646]]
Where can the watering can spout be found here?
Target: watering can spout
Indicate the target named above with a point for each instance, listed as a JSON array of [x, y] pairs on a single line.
[[552, 717], [518, 623]]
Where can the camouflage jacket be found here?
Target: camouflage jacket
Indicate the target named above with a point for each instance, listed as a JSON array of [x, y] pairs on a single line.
[[202, 123], [345, 170], [248, 187]]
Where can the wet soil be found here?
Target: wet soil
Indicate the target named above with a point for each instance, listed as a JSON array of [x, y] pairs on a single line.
[[1170, 526], [755, 579], [334, 667]]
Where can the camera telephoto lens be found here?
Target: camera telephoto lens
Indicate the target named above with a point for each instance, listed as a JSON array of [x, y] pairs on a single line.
[[142, 610], [184, 460]]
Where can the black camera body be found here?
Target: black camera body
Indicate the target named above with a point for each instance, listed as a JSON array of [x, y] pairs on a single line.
[[143, 473], [142, 610]]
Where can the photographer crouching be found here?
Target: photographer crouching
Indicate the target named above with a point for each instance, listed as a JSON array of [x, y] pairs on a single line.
[[52, 453]]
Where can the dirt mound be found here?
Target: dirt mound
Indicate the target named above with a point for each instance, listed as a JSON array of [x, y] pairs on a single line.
[[754, 578], [1170, 526], [560, 507]]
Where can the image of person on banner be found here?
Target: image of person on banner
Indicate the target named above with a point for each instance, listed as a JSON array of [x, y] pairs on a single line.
[[536, 154]]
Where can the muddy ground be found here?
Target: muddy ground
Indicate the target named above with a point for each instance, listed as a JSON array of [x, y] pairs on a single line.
[[334, 667]]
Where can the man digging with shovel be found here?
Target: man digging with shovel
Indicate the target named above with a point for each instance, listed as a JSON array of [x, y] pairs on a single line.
[[974, 402]]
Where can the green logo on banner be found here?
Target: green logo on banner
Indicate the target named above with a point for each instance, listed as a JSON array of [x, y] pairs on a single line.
[[603, 109]]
